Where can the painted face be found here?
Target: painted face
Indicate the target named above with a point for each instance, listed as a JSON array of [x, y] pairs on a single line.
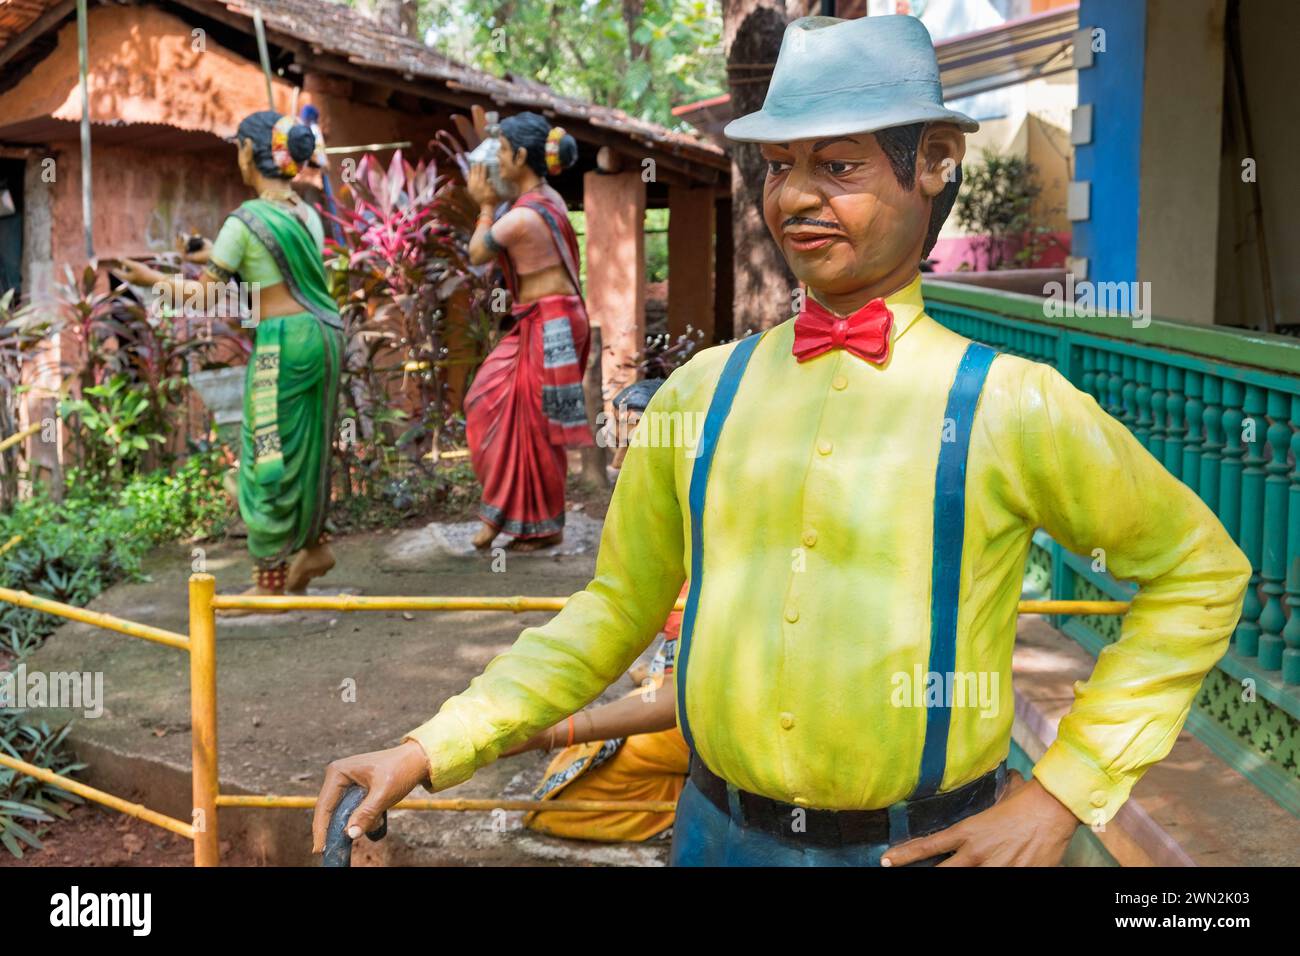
[[842, 220], [512, 166]]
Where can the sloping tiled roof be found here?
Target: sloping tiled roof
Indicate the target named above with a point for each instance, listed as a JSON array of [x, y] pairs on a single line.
[[334, 30], [17, 15]]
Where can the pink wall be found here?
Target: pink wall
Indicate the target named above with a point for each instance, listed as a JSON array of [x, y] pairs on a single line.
[[950, 255]]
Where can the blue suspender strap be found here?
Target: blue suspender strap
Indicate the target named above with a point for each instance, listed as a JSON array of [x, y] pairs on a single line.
[[949, 530], [714, 419]]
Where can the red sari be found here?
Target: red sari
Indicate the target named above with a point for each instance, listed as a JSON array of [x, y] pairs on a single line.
[[526, 404]]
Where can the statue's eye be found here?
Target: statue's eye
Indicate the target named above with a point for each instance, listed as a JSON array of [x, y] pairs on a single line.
[[837, 167], [775, 167]]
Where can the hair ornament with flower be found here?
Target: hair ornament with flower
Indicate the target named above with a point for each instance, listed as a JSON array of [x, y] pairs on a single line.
[[284, 160], [553, 138]]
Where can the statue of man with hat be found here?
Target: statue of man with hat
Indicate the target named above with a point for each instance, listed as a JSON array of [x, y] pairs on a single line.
[[854, 522]]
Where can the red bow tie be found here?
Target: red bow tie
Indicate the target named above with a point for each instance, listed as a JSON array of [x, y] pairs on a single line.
[[865, 333]]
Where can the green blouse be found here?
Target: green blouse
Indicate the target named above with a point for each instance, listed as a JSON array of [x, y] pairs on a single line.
[[236, 249]]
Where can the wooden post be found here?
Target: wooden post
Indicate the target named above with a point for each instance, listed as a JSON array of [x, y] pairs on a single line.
[[264, 55], [615, 208], [690, 261], [724, 274], [87, 207]]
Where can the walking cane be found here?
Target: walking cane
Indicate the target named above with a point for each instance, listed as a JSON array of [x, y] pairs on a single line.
[[338, 845]]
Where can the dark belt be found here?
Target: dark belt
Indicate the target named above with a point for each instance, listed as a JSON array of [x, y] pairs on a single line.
[[847, 827]]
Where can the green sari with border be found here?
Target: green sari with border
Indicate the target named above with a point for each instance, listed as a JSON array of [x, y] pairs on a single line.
[[290, 397]]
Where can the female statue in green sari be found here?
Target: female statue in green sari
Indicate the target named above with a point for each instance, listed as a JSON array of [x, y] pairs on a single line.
[[274, 244]]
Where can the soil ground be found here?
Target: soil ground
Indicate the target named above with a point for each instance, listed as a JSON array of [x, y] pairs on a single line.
[[95, 836]]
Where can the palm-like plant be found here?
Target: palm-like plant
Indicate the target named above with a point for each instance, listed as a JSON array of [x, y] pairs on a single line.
[[402, 267], [28, 804]]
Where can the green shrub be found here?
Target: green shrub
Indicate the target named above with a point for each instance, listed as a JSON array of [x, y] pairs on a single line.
[[186, 503], [70, 551], [27, 804], [996, 207], [73, 549]]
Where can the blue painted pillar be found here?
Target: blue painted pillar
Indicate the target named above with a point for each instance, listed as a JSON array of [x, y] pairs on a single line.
[[1111, 162]]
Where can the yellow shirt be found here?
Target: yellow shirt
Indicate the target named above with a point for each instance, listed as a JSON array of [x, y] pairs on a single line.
[[814, 613]]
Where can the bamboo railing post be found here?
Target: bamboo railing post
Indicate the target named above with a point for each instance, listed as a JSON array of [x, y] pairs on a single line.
[[203, 718]]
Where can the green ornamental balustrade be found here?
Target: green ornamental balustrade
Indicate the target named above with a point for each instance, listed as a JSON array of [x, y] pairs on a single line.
[[1220, 409]]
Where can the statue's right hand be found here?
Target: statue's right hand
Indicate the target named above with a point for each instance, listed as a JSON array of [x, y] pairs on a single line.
[[387, 776]]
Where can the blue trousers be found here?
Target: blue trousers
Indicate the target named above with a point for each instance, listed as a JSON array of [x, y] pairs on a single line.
[[704, 835]]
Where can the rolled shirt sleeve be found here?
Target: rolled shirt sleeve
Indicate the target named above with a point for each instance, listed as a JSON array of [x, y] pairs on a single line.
[[1091, 485], [554, 670]]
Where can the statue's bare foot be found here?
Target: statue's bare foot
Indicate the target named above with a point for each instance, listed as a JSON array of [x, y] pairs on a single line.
[[255, 591], [486, 535], [307, 564], [536, 544]]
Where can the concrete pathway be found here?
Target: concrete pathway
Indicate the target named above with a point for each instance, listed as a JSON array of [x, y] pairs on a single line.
[[285, 683]]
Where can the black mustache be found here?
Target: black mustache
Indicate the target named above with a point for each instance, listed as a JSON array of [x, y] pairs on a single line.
[[805, 221]]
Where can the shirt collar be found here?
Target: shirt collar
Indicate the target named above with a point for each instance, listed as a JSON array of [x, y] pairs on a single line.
[[906, 305]]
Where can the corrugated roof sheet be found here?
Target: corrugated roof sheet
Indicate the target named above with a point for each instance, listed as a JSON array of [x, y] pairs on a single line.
[[1010, 53]]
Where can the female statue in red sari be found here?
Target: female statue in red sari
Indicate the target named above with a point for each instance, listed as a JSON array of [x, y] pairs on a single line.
[[526, 404]]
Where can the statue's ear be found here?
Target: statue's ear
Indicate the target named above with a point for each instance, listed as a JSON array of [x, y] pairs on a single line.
[[938, 157]]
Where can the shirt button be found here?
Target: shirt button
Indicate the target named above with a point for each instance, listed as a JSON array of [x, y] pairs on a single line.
[[839, 383], [787, 720], [824, 447], [1099, 798], [791, 614], [809, 538]]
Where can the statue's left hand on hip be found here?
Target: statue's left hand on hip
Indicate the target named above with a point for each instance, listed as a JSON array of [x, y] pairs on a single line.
[[1027, 827]]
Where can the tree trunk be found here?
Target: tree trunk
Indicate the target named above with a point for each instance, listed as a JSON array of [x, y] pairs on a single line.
[[632, 10], [594, 459], [764, 287], [395, 16]]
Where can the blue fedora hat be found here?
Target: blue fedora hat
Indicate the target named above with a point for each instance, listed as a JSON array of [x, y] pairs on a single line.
[[838, 77]]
